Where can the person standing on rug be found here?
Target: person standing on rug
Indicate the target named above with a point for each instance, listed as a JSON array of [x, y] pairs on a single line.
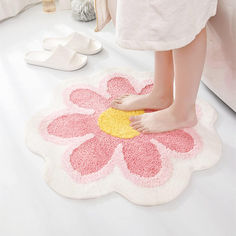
[[176, 31]]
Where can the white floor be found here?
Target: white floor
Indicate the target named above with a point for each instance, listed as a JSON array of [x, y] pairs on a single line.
[[29, 207]]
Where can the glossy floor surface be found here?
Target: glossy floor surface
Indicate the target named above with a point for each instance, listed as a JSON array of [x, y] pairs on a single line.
[[29, 207]]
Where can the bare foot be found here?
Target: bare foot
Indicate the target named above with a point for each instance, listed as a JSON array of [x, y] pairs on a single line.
[[141, 102], [164, 120]]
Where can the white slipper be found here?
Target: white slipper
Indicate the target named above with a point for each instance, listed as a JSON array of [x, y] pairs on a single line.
[[61, 58], [76, 41]]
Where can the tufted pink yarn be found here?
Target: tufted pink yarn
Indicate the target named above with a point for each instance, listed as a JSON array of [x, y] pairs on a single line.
[[119, 86], [176, 140], [88, 99], [70, 125], [142, 160], [91, 155]]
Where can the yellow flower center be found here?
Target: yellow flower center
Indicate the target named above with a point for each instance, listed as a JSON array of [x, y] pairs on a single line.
[[117, 123]]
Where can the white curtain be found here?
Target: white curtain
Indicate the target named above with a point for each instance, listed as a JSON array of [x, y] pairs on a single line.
[[9, 8]]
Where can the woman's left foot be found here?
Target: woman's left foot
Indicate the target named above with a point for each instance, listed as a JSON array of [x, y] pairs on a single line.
[[163, 120]]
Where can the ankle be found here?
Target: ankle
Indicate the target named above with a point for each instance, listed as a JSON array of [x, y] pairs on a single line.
[[164, 97], [182, 113]]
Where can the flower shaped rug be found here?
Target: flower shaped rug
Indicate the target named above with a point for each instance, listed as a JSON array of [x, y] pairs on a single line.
[[90, 149]]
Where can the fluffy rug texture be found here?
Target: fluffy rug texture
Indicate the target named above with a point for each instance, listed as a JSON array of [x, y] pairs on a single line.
[[90, 150]]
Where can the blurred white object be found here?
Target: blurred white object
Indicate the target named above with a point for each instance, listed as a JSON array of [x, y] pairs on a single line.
[[78, 42], [83, 10], [9, 8], [220, 68], [61, 58], [65, 4]]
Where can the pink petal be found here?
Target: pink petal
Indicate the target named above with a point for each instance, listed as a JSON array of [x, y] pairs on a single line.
[[177, 140], [71, 125], [86, 98], [92, 155], [147, 89], [142, 159], [118, 86]]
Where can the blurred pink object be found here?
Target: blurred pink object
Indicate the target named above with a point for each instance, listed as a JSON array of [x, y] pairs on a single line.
[[219, 73]]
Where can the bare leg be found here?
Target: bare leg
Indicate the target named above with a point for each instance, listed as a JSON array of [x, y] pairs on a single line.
[[189, 62], [162, 94]]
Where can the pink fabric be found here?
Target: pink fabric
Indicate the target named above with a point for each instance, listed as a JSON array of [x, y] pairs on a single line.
[[84, 158], [70, 125], [147, 165], [88, 99], [119, 86], [145, 159], [177, 140]]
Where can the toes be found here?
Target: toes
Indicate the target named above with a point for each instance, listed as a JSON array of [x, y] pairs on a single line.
[[114, 105], [132, 118], [136, 125], [120, 98], [115, 102], [140, 129], [139, 126], [118, 101], [135, 118], [146, 131], [124, 96], [143, 129]]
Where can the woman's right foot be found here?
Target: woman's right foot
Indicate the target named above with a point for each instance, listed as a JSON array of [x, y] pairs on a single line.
[[165, 120], [141, 102]]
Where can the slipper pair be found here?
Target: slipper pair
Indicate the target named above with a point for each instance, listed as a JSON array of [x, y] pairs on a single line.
[[68, 53]]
